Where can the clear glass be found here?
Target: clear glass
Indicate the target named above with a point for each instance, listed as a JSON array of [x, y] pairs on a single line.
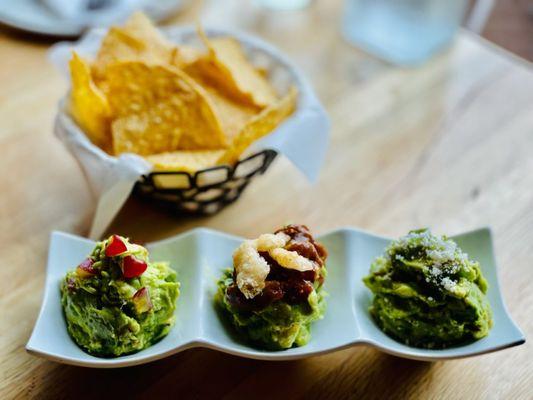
[[283, 4], [404, 32]]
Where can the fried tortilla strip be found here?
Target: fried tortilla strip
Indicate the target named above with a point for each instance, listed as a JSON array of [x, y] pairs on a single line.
[[291, 260], [251, 269]]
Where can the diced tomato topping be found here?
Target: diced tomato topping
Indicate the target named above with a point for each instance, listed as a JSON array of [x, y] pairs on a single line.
[[133, 267], [85, 269], [71, 285], [115, 246], [141, 300]]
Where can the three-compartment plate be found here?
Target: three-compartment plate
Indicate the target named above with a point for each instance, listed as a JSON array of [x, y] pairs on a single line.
[[200, 256]]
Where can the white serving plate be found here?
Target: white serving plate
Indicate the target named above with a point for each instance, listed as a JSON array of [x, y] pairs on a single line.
[[33, 16], [199, 257]]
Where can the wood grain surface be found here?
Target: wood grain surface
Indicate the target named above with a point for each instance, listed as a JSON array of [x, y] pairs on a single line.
[[448, 145]]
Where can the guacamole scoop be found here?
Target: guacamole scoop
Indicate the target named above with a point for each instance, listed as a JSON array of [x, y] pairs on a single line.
[[274, 292], [116, 301], [428, 293]]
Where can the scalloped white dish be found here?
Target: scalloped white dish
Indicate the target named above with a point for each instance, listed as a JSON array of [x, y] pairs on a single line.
[[199, 257]]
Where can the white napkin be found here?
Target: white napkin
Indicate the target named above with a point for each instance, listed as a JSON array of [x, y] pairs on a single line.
[[93, 12], [302, 138]]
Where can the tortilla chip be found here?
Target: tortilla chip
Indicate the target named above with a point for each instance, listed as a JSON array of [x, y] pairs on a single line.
[[263, 71], [232, 115], [139, 25], [137, 40], [259, 126], [177, 107], [149, 96], [183, 56], [88, 105], [144, 133], [227, 67], [187, 161]]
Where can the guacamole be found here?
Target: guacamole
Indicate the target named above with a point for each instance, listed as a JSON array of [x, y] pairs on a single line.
[[428, 293], [279, 325], [275, 291], [116, 301]]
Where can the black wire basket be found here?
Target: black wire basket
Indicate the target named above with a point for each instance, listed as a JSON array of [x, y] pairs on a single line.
[[206, 191]]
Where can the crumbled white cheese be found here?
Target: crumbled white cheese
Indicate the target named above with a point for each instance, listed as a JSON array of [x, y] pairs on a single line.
[[449, 284], [444, 257]]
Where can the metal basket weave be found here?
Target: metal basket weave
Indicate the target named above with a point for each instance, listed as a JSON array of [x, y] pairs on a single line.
[[206, 191]]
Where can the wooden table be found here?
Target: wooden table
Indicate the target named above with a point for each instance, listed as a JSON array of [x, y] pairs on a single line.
[[448, 145]]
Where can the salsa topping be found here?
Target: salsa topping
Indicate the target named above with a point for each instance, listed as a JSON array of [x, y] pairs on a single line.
[[284, 266], [275, 290]]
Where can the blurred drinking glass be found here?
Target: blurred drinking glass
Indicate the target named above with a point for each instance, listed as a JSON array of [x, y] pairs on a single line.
[[404, 32], [283, 4]]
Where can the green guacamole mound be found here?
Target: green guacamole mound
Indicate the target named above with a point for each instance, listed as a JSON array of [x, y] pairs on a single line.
[[428, 293], [101, 313], [279, 325]]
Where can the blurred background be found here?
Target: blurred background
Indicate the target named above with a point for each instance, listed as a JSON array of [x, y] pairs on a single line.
[[508, 23]]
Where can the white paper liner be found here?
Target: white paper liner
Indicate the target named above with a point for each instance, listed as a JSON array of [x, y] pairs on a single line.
[[302, 138]]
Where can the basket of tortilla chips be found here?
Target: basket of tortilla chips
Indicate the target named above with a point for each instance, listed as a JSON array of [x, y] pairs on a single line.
[[184, 105]]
